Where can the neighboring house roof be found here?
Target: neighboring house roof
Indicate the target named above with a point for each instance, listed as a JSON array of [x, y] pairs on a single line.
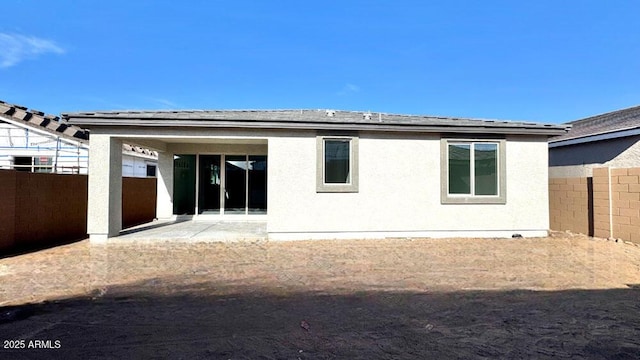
[[611, 125], [139, 150], [309, 119], [48, 123], [57, 127]]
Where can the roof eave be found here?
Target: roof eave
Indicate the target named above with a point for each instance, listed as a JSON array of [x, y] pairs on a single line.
[[91, 122]]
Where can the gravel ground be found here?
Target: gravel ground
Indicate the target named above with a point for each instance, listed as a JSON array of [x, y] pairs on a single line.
[[565, 296]]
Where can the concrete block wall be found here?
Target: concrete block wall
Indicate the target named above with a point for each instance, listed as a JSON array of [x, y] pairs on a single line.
[[625, 203], [568, 204], [601, 203], [615, 212]]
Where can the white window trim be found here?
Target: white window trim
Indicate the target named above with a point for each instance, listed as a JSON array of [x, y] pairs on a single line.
[[352, 186], [446, 198]]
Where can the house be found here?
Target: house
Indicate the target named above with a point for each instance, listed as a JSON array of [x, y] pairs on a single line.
[[594, 176], [611, 139], [314, 174], [34, 142]]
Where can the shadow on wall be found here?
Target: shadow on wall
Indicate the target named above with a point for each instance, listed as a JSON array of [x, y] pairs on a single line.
[[598, 152], [204, 320]]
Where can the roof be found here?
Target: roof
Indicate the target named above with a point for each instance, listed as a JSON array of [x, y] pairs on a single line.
[[49, 123], [620, 123], [308, 119], [55, 126]]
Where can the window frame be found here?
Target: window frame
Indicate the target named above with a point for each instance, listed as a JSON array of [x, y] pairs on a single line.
[[447, 198], [323, 187]]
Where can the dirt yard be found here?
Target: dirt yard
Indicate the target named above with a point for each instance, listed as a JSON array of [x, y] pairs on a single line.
[[558, 297]]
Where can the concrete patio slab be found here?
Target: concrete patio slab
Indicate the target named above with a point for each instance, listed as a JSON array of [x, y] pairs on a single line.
[[181, 230]]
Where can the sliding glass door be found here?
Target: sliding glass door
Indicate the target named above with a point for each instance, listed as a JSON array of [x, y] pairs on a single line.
[[245, 184], [184, 184], [257, 184], [235, 184], [226, 184], [210, 182]]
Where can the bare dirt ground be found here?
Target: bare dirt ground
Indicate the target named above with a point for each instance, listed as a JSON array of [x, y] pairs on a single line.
[[559, 297]]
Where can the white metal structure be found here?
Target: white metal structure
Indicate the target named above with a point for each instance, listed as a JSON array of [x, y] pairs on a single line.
[[34, 142]]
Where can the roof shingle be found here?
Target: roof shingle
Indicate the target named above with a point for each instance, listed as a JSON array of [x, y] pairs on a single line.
[[48, 123], [307, 119], [619, 120]]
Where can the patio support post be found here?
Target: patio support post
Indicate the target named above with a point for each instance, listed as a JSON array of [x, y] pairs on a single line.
[[164, 204], [104, 211]]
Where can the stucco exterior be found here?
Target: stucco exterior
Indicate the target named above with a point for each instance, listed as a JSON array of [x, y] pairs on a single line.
[[579, 160], [608, 140], [396, 166], [399, 192], [104, 217]]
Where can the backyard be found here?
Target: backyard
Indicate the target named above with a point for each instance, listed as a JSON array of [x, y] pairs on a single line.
[[565, 296]]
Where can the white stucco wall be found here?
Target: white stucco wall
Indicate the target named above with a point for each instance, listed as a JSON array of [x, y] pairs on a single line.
[[136, 166], [400, 192], [399, 185], [104, 208], [629, 156]]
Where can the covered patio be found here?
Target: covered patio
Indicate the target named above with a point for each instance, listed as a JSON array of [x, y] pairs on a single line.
[[216, 178], [187, 230]]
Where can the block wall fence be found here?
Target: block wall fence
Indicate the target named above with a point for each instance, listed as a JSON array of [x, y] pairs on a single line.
[[606, 205], [39, 210]]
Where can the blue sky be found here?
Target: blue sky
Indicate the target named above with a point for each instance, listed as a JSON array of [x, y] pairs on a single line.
[[547, 61]]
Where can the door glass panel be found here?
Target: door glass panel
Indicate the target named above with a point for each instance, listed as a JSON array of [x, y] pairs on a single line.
[[257, 184], [210, 182], [184, 184], [235, 184]]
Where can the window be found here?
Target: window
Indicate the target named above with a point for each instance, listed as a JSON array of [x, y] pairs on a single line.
[[33, 163], [473, 171], [23, 163], [151, 170], [337, 164]]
